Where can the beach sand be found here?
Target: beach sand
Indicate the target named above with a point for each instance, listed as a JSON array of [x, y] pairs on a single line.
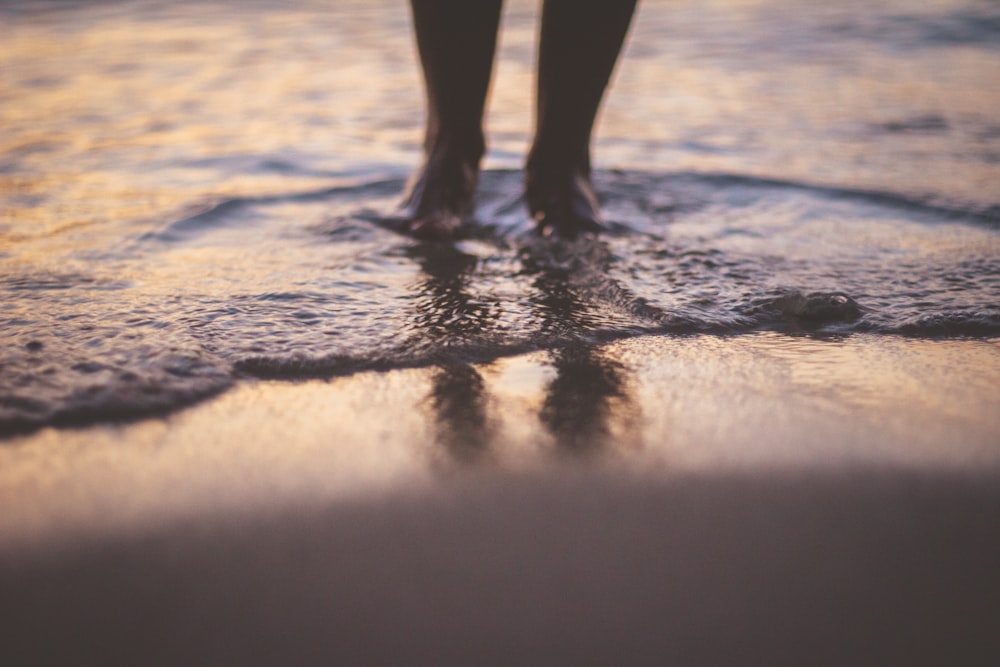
[[761, 498]]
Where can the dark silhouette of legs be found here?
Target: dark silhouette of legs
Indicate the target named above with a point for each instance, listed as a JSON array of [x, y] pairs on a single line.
[[456, 39], [579, 46]]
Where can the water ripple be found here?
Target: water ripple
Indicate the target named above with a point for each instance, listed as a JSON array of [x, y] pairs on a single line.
[[316, 285]]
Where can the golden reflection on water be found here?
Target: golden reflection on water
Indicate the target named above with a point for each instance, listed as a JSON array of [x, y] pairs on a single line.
[[124, 111], [112, 118]]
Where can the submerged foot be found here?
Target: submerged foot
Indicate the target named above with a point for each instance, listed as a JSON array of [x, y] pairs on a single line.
[[439, 196], [562, 204]]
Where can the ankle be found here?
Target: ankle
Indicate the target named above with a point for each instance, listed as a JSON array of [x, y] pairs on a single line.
[[466, 148], [549, 160]]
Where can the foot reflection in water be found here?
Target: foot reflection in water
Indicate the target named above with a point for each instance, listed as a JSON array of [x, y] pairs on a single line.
[[459, 401], [589, 387], [587, 396], [583, 398], [447, 316]]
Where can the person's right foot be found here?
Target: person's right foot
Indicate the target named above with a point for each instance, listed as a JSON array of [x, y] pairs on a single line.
[[439, 196]]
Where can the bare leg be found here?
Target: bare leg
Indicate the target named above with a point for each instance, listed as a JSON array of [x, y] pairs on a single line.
[[456, 40], [580, 42]]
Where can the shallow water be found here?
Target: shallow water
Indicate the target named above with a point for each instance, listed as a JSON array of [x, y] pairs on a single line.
[[195, 194]]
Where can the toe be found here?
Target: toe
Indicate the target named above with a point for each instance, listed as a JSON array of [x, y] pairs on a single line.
[[442, 227], [566, 227]]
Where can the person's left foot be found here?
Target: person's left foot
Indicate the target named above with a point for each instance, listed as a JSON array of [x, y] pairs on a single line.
[[564, 205]]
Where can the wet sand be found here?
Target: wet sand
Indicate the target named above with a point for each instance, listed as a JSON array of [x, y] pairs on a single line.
[[764, 498]]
